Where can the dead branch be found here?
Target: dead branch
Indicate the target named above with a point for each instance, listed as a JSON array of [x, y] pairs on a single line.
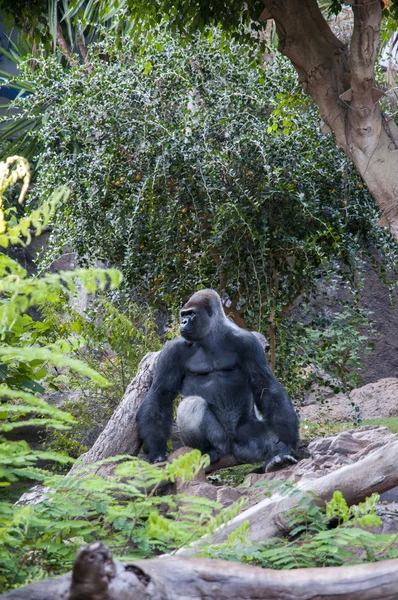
[[120, 435], [96, 576]]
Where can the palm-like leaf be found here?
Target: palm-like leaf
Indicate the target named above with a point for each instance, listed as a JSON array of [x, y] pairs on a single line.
[[77, 22]]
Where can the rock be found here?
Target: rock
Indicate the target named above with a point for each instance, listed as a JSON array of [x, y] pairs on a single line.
[[66, 262], [388, 514], [198, 488], [227, 496], [375, 401], [326, 455], [383, 360], [353, 441], [390, 496], [330, 453]]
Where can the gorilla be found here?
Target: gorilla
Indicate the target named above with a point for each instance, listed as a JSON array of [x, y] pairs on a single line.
[[222, 374]]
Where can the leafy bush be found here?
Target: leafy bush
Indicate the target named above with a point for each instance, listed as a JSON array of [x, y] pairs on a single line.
[[122, 510], [332, 347]]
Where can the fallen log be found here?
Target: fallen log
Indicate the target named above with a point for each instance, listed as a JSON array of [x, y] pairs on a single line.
[[96, 576], [120, 435], [377, 472]]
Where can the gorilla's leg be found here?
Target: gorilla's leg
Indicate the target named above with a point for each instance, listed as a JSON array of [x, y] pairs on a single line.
[[199, 428], [255, 442]]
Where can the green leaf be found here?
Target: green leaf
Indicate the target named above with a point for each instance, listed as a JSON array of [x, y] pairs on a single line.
[[148, 67]]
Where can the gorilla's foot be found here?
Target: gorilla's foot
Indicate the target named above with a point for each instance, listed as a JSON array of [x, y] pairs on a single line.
[[93, 570], [278, 462]]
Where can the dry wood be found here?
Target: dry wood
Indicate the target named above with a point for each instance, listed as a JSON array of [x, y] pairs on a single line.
[[190, 579], [120, 435], [377, 472]]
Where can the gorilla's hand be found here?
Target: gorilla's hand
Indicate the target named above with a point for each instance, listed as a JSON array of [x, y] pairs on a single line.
[[159, 459], [278, 462]]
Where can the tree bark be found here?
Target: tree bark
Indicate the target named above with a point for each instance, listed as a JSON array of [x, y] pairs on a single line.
[[120, 435], [377, 472], [66, 51], [341, 82], [97, 577]]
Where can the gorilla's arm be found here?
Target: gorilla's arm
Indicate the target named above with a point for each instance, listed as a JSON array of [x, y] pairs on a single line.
[[155, 415], [269, 395]]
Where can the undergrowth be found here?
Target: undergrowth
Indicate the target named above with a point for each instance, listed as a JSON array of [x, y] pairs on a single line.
[[319, 537], [123, 510]]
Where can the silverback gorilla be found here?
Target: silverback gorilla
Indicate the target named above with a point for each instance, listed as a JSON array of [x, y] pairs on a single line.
[[221, 372]]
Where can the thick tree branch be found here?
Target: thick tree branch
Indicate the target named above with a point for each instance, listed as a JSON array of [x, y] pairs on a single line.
[[365, 42], [341, 82], [96, 576], [319, 57], [364, 113], [66, 51]]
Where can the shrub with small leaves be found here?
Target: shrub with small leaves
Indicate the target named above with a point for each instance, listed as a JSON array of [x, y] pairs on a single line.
[[196, 165]]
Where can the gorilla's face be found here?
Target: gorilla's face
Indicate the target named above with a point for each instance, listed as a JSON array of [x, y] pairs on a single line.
[[195, 323]]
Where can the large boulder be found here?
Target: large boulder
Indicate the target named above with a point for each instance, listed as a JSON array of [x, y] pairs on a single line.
[[331, 453], [326, 454], [375, 401]]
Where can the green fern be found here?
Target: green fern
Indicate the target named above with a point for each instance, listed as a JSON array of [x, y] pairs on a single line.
[[313, 541], [123, 510]]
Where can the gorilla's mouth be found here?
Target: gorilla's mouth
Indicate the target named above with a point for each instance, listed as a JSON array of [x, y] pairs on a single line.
[[187, 333]]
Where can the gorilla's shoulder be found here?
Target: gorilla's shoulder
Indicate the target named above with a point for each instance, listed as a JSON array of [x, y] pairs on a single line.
[[175, 346], [243, 338]]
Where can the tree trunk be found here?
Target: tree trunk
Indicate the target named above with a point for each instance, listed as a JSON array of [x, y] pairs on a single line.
[[96, 576], [341, 82], [377, 472], [120, 435]]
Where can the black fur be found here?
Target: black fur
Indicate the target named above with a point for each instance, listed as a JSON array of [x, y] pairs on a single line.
[[222, 373]]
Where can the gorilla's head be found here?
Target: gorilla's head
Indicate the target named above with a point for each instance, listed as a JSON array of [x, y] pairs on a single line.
[[201, 315]]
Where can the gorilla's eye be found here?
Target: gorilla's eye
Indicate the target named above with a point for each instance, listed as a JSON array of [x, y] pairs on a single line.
[[190, 314]]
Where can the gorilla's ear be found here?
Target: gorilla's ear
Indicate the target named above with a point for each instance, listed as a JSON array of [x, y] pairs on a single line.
[[209, 310]]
